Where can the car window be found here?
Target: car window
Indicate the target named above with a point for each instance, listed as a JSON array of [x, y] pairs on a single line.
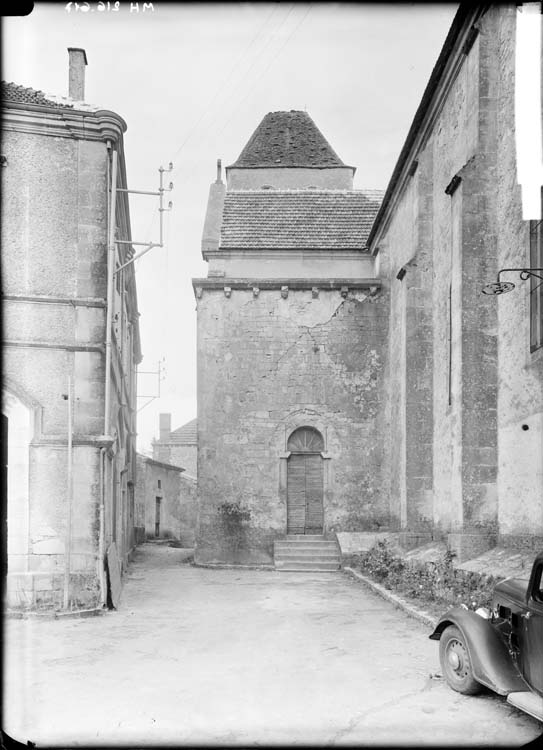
[[538, 584]]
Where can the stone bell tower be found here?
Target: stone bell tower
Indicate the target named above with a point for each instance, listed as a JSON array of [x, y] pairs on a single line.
[[291, 349]]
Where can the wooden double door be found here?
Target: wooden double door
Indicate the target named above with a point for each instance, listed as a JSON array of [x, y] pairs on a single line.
[[305, 483]]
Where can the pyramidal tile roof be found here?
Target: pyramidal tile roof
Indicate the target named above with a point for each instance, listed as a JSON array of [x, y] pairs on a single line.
[[288, 139], [298, 219]]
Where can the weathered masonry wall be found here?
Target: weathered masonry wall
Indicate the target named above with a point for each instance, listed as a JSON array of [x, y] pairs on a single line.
[[466, 390], [188, 495], [442, 334], [176, 495], [54, 237], [408, 246], [520, 385], [178, 455], [340, 178], [54, 268], [271, 362]]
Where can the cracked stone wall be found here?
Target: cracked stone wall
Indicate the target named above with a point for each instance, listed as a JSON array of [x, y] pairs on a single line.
[[267, 365]]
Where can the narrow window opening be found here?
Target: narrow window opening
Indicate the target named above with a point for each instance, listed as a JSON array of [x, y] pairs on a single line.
[[157, 517]]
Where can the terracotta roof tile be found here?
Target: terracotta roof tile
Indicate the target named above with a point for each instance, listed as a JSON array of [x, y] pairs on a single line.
[[12, 92], [187, 434], [290, 219], [288, 139]]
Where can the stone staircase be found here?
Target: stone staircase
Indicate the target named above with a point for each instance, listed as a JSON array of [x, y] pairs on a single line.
[[305, 552]]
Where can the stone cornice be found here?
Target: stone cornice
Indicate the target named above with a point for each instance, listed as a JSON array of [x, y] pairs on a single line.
[[90, 125], [340, 285]]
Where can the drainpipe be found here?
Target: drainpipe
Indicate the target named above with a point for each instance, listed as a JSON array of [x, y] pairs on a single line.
[[68, 539], [107, 385], [101, 530], [110, 278]]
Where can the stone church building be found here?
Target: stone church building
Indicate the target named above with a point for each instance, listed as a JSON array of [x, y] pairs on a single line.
[[291, 349], [352, 377]]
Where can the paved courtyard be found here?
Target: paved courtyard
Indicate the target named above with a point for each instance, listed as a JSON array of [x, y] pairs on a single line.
[[203, 656]]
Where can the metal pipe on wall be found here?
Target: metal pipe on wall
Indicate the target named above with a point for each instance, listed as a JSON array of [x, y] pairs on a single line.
[[68, 538], [101, 531], [110, 280], [111, 226]]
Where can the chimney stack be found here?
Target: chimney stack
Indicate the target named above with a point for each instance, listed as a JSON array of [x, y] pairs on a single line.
[[219, 171], [165, 426], [76, 81]]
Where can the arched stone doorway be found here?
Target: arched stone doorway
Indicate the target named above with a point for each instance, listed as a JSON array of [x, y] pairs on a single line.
[[305, 482]]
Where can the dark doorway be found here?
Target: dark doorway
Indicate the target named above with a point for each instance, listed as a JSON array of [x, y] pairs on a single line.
[[157, 516], [305, 482]]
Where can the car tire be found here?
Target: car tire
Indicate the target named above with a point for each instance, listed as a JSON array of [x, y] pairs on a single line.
[[455, 662]]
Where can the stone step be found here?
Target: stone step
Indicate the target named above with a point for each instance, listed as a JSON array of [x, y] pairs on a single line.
[[335, 564], [306, 545], [307, 563], [301, 539], [306, 554], [310, 565]]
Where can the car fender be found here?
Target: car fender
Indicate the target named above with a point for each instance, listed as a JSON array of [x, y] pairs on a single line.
[[489, 655]]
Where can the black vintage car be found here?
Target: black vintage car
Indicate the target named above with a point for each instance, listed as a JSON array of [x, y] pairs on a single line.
[[500, 648]]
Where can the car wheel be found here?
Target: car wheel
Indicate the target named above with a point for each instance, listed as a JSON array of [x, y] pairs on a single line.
[[455, 662]]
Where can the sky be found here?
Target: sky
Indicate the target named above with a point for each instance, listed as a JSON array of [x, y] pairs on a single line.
[[193, 81]]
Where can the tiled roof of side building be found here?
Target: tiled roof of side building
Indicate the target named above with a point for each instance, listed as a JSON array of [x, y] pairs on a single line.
[[187, 434], [290, 219], [12, 92], [288, 139]]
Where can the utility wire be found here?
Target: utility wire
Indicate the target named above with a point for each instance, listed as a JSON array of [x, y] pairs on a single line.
[[280, 25], [236, 110], [224, 83]]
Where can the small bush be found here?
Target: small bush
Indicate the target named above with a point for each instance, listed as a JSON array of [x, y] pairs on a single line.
[[436, 582], [233, 513], [234, 520]]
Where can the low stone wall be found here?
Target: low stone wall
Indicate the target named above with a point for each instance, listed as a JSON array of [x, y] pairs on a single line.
[[433, 575]]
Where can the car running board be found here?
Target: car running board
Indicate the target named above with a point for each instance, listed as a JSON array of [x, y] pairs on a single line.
[[529, 702]]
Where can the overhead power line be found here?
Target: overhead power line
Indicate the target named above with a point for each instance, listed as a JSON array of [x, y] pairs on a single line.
[[236, 109], [224, 83], [280, 25]]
